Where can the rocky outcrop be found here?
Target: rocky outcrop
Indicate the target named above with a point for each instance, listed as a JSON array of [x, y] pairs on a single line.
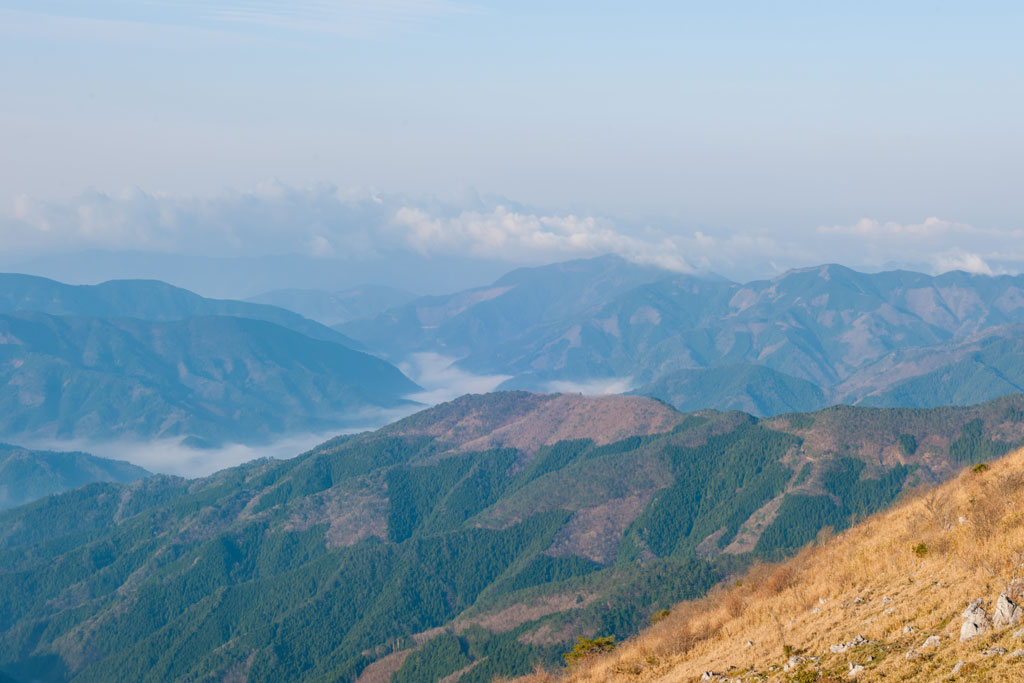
[[1008, 613], [976, 621]]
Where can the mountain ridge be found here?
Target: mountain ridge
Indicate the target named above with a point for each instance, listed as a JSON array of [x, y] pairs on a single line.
[[400, 541]]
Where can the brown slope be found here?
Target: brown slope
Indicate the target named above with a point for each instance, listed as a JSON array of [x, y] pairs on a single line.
[[526, 421], [895, 580]]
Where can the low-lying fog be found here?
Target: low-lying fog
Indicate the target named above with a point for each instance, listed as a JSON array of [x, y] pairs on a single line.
[[436, 374]]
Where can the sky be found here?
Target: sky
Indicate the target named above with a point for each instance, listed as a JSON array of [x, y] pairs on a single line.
[[739, 137]]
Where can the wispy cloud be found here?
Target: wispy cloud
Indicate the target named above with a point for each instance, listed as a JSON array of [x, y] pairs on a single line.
[[443, 381], [329, 223], [502, 233]]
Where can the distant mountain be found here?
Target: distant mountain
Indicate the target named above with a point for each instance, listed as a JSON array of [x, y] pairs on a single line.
[[333, 308], [209, 378], [27, 475], [468, 541], [753, 389], [146, 300], [478, 321], [996, 368], [850, 334]]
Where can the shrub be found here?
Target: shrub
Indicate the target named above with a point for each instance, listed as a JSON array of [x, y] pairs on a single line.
[[585, 647], [920, 550]]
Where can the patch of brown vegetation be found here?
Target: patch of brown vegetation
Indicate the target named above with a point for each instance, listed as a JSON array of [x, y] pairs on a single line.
[[520, 613], [750, 531], [382, 669], [351, 516], [595, 533], [529, 421]]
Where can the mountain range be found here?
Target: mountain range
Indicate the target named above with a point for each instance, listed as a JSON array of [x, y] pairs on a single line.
[[805, 339], [142, 359], [471, 540]]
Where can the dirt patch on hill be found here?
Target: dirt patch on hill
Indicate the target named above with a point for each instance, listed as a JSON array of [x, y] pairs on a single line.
[[594, 533], [351, 516], [529, 421]]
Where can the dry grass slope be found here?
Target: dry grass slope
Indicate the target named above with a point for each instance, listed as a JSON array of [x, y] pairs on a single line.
[[895, 580]]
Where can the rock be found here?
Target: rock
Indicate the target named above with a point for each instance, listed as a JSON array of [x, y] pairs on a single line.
[[1017, 654], [859, 601], [815, 610], [886, 599], [1008, 613], [911, 654], [839, 649], [976, 621], [750, 643], [793, 663], [932, 641], [994, 651], [908, 629], [707, 676], [959, 665], [855, 670]]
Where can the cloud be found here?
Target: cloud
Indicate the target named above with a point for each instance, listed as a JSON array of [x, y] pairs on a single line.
[[328, 223], [935, 244], [961, 260], [320, 221], [511, 235], [871, 227], [442, 380]]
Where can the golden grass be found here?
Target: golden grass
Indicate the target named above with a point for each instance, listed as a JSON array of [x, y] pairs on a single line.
[[866, 581]]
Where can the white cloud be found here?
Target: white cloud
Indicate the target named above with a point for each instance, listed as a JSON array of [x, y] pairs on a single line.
[[871, 227], [510, 235], [961, 260], [442, 380], [329, 223]]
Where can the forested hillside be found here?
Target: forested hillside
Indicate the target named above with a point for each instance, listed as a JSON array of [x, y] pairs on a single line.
[[205, 378], [470, 540], [27, 475]]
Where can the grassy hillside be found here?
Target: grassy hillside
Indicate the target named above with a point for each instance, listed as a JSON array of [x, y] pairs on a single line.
[[474, 539], [27, 475], [895, 586]]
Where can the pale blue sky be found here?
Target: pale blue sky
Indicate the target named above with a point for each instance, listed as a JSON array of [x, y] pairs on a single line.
[[741, 116]]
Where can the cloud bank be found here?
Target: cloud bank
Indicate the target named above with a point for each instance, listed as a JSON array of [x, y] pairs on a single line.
[[330, 224]]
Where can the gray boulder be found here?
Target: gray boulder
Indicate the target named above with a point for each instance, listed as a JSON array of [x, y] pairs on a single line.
[[1008, 613], [976, 621]]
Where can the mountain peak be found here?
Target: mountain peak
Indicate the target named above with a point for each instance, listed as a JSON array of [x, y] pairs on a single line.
[[526, 421]]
